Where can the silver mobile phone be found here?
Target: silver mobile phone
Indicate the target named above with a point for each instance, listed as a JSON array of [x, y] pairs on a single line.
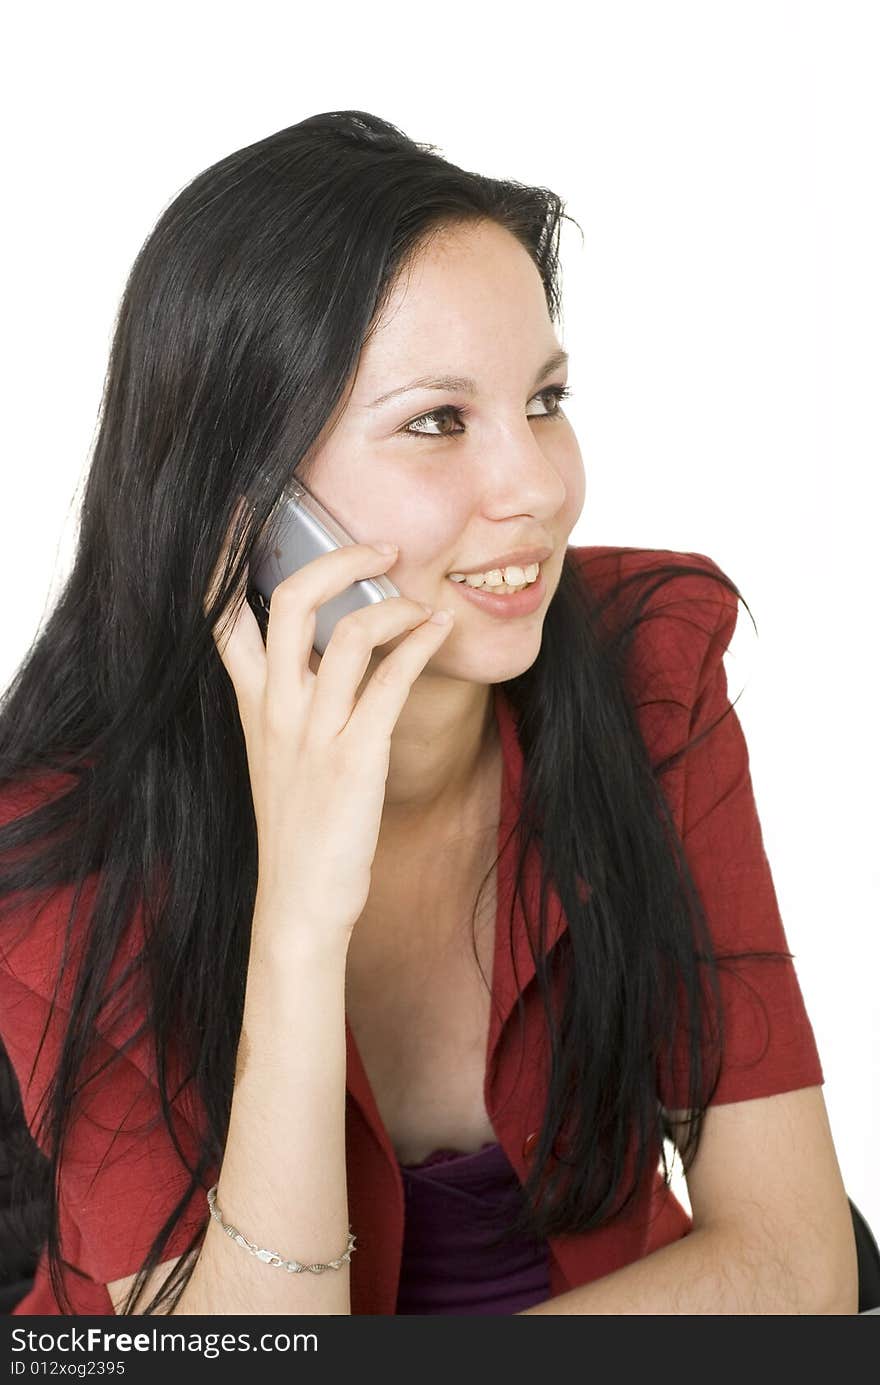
[[307, 530]]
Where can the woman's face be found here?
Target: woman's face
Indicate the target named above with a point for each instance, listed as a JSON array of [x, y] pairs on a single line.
[[459, 479]]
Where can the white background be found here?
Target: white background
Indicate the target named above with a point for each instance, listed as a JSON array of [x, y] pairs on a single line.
[[722, 317]]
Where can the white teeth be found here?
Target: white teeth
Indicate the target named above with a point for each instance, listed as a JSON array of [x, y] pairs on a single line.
[[514, 576], [511, 578]]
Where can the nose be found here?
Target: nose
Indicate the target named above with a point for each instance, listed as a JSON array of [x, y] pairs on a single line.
[[522, 478]]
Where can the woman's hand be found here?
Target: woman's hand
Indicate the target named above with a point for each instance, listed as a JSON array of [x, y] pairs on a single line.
[[317, 756]]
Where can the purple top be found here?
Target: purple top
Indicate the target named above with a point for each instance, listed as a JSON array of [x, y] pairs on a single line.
[[455, 1203]]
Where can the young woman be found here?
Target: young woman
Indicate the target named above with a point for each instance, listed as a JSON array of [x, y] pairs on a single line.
[[402, 961]]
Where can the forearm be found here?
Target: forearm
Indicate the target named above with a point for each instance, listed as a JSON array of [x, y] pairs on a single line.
[[710, 1271], [282, 1183]]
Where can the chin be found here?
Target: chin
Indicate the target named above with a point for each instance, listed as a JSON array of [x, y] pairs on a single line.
[[487, 661]]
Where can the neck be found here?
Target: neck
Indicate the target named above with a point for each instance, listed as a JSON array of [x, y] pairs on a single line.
[[441, 747]]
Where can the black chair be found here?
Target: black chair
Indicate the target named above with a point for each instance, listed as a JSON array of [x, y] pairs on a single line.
[[868, 1255]]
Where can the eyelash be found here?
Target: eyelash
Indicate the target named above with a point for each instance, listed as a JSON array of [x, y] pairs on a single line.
[[559, 392]]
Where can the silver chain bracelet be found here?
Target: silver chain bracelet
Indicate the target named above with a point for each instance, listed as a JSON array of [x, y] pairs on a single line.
[[269, 1257]]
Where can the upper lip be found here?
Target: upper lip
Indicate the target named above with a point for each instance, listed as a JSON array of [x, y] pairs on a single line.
[[517, 557]]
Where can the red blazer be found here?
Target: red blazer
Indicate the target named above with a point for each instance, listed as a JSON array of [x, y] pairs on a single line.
[[117, 1188]]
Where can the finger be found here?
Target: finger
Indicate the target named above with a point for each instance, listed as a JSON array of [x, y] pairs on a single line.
[[240, 645], [348, 654], [290, 635], [388, 688]]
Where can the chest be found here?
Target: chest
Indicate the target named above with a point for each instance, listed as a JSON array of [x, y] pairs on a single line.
[[418, 992]]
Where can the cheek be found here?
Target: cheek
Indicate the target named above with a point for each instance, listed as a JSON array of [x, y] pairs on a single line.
[[424, 515], [429, 520], [574, 479]]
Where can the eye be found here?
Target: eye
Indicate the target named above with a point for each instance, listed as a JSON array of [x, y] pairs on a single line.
[[448, 412]]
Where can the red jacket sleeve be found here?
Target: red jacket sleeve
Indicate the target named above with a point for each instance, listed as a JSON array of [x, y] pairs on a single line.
[[769, 1042], [120, 1172]]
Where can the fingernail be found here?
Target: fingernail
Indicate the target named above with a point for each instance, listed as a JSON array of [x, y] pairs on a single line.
[[441, 617], [385, 547]]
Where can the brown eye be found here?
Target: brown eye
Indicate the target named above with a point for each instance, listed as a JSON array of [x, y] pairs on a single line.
[[448, 413], [555, 392]]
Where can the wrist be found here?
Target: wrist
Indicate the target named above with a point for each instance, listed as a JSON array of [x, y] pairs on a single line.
[[281, 934]]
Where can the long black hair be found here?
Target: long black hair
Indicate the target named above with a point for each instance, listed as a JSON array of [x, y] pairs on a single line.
[[238, 334]]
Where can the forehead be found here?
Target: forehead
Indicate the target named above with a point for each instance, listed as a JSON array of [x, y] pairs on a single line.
[[467, 294]]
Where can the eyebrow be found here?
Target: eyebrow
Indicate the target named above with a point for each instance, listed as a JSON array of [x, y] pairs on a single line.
[[463, 384]]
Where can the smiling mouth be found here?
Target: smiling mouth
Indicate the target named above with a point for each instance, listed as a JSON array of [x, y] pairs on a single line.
[[500, 581]]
